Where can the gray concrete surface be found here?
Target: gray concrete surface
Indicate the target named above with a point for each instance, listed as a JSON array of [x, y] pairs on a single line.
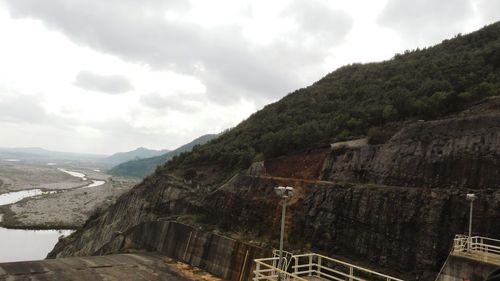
[[97, 268], [459, 268], [221, 256]]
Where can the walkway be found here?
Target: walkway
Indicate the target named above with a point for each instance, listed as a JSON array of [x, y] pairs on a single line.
[[482, 249], [134, 267], [313, 267]]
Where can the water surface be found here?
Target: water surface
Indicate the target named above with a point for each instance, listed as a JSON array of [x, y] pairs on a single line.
[[94, 184], [11, 160], [22, 245], [74, 174], [13, 197]]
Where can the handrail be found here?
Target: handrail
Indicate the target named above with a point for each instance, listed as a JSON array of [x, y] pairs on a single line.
[[275, 272], [315, 265], [365, 270], [336, 270], [286, 258], [487, 238], [475, 244], [459, 236]]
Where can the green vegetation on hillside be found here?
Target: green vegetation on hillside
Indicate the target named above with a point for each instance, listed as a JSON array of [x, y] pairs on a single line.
[[142, 167], [139, 153], [358, 100]]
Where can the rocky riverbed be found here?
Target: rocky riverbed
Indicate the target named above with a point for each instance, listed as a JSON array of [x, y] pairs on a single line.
[[60, 200]]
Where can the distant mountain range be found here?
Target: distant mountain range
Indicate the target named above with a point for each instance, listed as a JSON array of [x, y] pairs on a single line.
[[143, 167], [41, 153], [136, 163], [431, 118], [136, 154]]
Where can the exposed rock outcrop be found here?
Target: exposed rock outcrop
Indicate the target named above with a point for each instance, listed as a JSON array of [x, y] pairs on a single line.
[[457, 152], [219, 255], [396, 205], [407, 229], [154, 198]]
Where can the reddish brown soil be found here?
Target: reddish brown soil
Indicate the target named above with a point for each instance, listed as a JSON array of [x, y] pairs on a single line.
[[304, 165]]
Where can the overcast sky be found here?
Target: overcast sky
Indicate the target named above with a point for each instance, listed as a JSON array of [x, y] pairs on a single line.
[[105, 76]]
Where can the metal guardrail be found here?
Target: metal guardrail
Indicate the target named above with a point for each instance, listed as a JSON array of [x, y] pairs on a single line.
[[315, 265], [475, 245], [334, 269], [286, 259], [267, 269]]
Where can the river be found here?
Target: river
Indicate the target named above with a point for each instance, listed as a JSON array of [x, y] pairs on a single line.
[[22, 245]]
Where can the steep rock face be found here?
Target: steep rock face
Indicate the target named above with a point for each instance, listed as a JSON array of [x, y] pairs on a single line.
[[305, 165], [457, 152], [402, 228], [222, 256], [406, 229], [154, 198], [396, 205]]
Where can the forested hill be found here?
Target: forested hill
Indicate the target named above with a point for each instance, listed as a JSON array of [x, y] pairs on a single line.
[[142, 167], [357, 100]]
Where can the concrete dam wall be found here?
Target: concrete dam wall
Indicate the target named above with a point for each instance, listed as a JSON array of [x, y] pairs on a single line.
[[395, 205], [219, 255], [459, 268]]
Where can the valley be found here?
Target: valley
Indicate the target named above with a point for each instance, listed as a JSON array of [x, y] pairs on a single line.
[[39, 203], [391, 169], [381, 156]]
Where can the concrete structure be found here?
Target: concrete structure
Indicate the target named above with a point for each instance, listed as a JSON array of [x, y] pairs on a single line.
[[221, 256], [158, 241], [459, 268], [134, 267], [471, 258], [313, 267]]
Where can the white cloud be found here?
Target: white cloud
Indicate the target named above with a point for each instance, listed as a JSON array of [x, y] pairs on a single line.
[[110, 84], [179, 69], [421, 22]]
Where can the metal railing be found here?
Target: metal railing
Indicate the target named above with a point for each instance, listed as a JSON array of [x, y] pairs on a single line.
[[475, 245], [315, 265], [334, 269], [266, 269], [285, 261]]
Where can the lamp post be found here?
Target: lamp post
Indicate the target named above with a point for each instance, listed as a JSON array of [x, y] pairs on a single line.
[[470, 197], [284, 193]]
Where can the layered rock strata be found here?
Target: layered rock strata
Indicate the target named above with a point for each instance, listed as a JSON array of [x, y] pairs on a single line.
[[395, 206]]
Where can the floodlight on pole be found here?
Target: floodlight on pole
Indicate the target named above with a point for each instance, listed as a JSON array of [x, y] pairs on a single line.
[[284, 192], [470, 197]]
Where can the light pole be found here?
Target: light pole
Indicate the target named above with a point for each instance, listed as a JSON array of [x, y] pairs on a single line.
[[284, 193], [470, 197]]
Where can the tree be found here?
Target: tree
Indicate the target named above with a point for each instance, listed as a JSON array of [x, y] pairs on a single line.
[[390, 113]]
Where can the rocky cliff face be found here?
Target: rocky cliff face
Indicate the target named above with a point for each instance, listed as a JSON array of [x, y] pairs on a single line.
[[406, 229], [456, 152], [396, 205], [155, 198], [222, 256]]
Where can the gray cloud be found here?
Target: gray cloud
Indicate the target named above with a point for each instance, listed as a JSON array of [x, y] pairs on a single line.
[[489, 10], [28, 110], [110, 84], [416, 20], [176, 102], [233, 67], [23, 109], [126, 137], [319, 20], [50, 131]]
